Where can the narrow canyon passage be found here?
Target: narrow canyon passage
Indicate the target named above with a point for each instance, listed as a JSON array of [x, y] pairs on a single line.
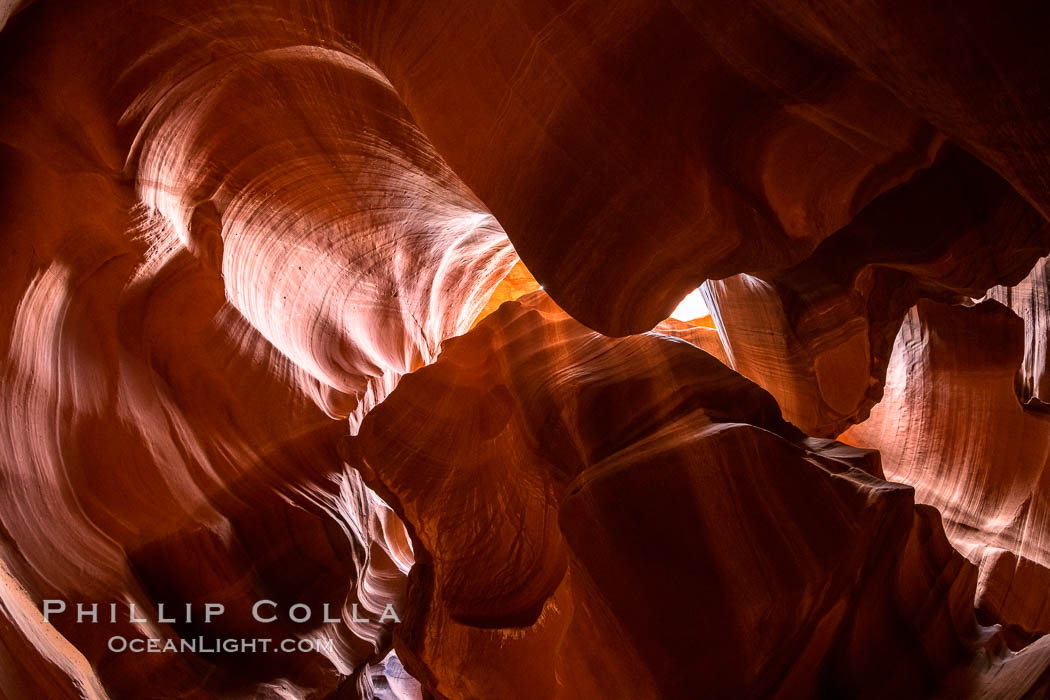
[[525, 349]]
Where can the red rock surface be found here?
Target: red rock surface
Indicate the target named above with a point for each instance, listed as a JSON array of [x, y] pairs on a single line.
[[951, 425], [951, 233], [589, 521], [366, 303]]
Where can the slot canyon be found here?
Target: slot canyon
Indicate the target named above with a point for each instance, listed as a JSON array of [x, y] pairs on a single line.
[[524, 349]]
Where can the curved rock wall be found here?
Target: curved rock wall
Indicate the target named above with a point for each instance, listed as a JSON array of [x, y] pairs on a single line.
[[365, 304], [784, 562]]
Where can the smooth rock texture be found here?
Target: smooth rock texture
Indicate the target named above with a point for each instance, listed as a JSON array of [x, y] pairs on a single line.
[[206, 275], [818, 336], [1030, 300], [950, 380], [367, 303], [951, 425], [616, 537]]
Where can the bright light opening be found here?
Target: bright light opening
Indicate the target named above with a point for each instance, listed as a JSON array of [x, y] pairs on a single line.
[[691, 308]]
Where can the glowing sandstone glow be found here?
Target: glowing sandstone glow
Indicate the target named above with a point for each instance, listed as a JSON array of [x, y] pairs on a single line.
[[352, 326]]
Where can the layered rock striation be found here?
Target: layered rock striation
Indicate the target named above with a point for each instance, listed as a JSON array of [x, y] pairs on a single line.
[[366, 304]]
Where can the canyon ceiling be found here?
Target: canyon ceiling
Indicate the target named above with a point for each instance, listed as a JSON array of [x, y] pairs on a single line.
[[367, 304]]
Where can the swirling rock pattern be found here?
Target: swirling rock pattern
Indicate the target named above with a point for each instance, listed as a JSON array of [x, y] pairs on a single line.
[[583, 490], [202, 287], [950, 233], [237, 233], [951, 425]]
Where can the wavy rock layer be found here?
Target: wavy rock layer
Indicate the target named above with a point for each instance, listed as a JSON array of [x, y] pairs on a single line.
[[232, 228], [549, 500], [1030, 299], [951, 425], [785, 120], [950, 233], [206, 274]]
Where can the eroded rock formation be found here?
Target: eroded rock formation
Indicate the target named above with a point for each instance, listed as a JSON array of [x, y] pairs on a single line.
[[206, 277], [951, 233], [364, 305], [951, 424], [591, 520]]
